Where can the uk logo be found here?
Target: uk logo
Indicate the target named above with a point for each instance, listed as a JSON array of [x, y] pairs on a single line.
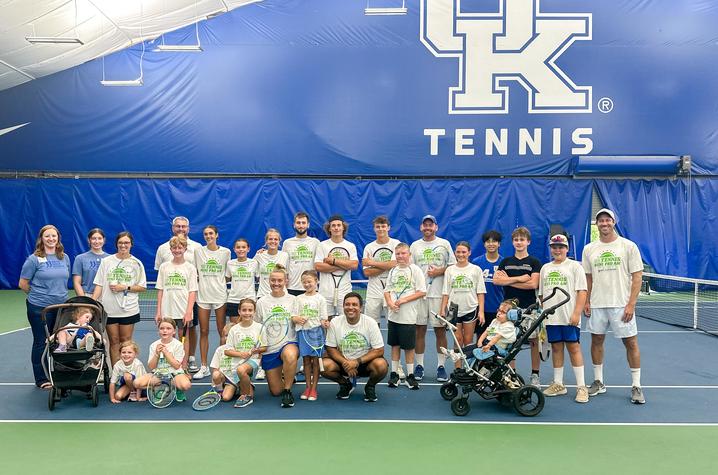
[[519, 43]]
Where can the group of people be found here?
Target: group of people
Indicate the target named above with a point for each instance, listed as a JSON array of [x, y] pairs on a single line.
[[286, 291]]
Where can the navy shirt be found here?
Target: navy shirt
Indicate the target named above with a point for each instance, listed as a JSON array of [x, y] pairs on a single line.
[[515, 267], [48, 278], [494, 293]]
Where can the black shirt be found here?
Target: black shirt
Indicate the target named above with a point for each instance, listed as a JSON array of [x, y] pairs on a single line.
[[515, 267]]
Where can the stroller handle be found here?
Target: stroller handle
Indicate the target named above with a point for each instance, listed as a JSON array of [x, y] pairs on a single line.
[[59, 306], [552, 309]]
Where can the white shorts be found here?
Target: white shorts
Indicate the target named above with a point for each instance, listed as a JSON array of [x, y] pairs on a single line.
[[210, 306], [374, 308], [424, 308], [603, 318]]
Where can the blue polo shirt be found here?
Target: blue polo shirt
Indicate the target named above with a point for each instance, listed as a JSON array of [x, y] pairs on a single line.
[[86, 265], [48, 278]]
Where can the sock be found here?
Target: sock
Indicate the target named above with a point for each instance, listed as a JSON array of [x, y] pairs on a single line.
[[578, 373], [534, 371], [442, 359], [636, 377], [598, 372], [394, 366], [191, 358], [558, 375], [409, 368], [420, 359]]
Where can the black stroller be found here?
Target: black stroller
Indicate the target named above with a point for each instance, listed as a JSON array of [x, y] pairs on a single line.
[[492, 377], [76, 369]]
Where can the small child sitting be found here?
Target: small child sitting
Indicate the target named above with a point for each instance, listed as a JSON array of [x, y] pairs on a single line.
[[79, 334]]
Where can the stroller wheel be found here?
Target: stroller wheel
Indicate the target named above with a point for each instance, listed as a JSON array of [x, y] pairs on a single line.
[[449, 391], [528, 401], [460, 406], [51, 398], [95, 397]]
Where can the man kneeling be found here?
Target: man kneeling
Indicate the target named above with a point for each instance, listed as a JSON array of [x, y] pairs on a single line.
[[355, 348]]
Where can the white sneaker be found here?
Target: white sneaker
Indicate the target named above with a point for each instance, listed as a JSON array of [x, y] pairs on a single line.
[[260, 374], [202, 373], [535, 380], [400, 372], [556, 389], [89, 342]]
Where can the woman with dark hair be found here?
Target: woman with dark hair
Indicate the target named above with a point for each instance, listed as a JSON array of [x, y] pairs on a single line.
[[119, 280], [86, 264], [44, 278]]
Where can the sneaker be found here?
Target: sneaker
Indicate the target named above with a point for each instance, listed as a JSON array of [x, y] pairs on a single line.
[[61, 349], [596, 387], [244, 400], [534, 380], [305, 395], [393, 379], [452, 355], [287, 398], [260, 374], [313, 395], [400, 372], [202, 373], [637, 395], [180, 396], [441, 375], [89, 342], [411, 382], [345, 390], [418, 372], [555, 389], [581, 394], [370, 393], [192, 365]]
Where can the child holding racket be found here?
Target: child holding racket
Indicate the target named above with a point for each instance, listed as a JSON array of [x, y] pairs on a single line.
[[125, 372], [79, 334], [404, 287], [244, 343], [335, 260], [167, 355], [311, 322]]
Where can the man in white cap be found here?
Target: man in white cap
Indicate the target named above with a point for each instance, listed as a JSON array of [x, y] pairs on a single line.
[[614, 270]]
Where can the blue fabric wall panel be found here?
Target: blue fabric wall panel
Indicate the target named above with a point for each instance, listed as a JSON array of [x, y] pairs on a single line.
[[703, 252]]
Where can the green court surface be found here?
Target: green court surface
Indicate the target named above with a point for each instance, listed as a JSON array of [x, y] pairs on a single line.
[[13, 314], [352, 448]]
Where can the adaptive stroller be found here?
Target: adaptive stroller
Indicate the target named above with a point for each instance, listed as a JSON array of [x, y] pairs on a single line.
[[490, 374], [75, 369]]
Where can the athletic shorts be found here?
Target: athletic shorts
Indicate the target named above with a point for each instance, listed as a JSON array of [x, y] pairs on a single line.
[[122, 382], [180, 325], [274, 360], [467, 317], [374, 308], [402, 335], [362, 371], [603, 318], [424, 308], [304, 348], [295, 292], [131, 320], [210, 306], [563, 333], [232, 309]]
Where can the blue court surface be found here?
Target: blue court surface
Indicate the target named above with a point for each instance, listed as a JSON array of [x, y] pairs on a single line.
[[679, 376]]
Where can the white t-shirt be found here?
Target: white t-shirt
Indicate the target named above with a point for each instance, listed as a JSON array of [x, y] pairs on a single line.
[[176, 282], [128, 271], [435, 253], [312, 307], [462, 284], [301, 253], [226, 364], [354, 341], [164, 254], [611, 265], [326, 282], [282, 308], [243, 276], [570, 277], [384, 253], [135, 368], [507, 330], [176, 348], [244, 338], [211, 268], [402, 282], [265, 265]]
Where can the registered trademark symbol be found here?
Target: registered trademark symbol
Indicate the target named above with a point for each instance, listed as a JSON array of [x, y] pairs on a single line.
[[605, 105]]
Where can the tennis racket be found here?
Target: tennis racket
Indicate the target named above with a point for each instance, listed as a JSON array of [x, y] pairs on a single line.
[[313, 335], [400, 280], [383, 254], [543, 344], [161, 390], [211, 398], [338, 274], [274, 329], [438, 257]]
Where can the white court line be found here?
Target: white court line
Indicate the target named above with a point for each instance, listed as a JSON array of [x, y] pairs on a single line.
[[14, 331], [364, 421]]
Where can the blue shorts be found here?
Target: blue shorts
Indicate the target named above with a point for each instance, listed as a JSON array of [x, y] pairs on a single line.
[[304, 348], [563, 333], [274, 360], [122, 382]]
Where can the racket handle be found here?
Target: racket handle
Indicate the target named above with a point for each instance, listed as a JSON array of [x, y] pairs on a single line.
[[321, 364]]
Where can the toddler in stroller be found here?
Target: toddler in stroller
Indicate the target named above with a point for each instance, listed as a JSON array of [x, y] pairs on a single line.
[[79, 334]]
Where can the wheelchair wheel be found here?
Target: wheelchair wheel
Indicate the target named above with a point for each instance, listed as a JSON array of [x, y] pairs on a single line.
[[460, 406], [528, 401], [449, 391], [51, 398]]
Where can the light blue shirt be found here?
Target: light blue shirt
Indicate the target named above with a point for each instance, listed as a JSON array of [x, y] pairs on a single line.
[[48, 278], [86, 265]]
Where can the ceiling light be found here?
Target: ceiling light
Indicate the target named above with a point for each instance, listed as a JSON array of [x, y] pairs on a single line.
[[53, 40]]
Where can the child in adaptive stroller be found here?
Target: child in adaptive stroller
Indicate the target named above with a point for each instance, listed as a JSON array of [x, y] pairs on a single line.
[[79, 334]]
